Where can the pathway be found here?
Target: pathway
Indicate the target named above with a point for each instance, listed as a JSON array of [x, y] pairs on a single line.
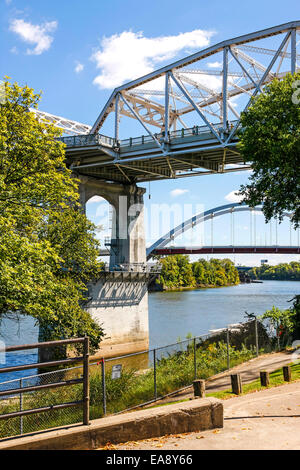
[[265, 420]]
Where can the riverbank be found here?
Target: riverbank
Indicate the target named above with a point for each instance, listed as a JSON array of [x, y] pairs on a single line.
[[160, 288], [280, 272], [173, 314], [178, 273]]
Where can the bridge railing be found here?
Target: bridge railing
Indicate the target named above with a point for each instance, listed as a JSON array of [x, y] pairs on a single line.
[[198, 132], [87, 140]]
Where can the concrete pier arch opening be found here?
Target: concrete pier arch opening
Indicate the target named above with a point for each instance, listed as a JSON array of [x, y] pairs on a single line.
[[119, 297]]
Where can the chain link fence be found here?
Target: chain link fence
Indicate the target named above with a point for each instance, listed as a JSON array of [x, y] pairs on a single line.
[[29, 400], [134, 380]]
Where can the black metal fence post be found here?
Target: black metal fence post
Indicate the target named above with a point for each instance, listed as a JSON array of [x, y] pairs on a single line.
[[21, 407], [256, 338], [103, 386], [154, 374], [228, 353], [86, 381], [195, 360]]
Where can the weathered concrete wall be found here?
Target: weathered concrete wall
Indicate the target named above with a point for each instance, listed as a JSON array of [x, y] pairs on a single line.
[[192, 416], [122, 310]]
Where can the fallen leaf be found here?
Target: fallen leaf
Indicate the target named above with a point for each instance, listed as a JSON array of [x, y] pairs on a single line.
[[199, 437]]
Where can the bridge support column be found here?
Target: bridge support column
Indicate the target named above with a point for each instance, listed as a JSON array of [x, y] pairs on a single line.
[[119, 299], [128, 237]]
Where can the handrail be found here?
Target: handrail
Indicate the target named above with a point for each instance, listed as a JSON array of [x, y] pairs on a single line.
[[84, 380], [83, 140]]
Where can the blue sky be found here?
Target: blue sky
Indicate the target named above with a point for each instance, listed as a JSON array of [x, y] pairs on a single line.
[[72, 51]]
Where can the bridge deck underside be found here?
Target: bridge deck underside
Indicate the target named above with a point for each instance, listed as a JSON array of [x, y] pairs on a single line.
[[139, 163]]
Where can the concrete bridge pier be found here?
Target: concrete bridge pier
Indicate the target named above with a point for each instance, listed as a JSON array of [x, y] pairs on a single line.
[[119, 298]]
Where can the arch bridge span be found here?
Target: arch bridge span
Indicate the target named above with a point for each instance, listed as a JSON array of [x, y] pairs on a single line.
[[160, 246]]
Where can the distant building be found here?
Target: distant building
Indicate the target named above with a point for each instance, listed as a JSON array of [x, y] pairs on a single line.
[[263, 261]]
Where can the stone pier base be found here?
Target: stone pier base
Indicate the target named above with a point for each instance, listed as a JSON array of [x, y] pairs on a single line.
[[120, 305]]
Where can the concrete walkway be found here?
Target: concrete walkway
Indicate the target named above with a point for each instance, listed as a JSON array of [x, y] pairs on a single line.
[[266, 420]]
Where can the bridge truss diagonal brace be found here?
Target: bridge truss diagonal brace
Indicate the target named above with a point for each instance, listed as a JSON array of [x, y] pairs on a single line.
[[261, 81], [195, 106], [135, 114], [235, 56]]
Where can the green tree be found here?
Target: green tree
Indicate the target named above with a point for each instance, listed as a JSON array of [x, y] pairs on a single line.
[[283, 321], [48, 251], [270, 140], [282, 271], [178, 272]]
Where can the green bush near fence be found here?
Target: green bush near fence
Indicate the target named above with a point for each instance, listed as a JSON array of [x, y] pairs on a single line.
[[172, 373]]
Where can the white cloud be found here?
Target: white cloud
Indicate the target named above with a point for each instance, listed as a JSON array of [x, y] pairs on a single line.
[[14, 50], [178, 192], [214, 65], [79, 67], [233, 197], [128, 55], [36, 35]]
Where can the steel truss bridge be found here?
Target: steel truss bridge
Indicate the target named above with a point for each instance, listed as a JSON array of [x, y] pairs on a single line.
[[160, 246], [189, 112]]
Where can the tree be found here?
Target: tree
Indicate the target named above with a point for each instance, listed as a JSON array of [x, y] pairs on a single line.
[[282, 321], [178, 272], [48, 251], [270, 140]]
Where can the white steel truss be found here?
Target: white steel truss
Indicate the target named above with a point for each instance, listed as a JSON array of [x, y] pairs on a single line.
[[69, 127], [185, 88]]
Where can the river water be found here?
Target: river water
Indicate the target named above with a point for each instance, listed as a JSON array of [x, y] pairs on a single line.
[[173, 315]]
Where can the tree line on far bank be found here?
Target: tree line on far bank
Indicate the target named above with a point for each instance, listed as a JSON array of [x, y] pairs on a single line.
[[177, 272], [281, 272]]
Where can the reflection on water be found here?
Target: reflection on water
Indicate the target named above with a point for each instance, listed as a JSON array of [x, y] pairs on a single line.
[[172, 315]]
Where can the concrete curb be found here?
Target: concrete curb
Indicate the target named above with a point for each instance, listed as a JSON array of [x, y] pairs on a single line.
[[195, 415]]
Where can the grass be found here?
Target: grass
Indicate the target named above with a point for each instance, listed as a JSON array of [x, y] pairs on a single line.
[[276, 379]]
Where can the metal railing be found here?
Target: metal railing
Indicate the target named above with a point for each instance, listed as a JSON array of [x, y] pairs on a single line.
[[119, 384], [10, 392], [198, 132]]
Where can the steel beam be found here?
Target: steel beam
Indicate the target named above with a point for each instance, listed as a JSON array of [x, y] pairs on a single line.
[[195, 106]]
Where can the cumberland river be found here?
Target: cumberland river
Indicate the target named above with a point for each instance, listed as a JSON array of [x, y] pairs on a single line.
[[175, 314]]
